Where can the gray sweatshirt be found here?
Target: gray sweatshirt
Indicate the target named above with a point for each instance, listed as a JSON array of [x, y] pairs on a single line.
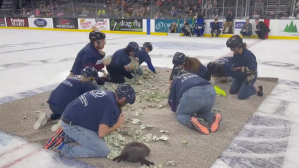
[[247, 27]]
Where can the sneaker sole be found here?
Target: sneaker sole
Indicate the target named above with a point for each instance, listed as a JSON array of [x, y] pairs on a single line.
[[215, 125], [39, 122], [199, 127], [50, 142]]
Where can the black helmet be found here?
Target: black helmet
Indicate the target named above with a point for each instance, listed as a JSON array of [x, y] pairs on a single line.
[[234, 41], [178, 58], [96, 35], [132, 46], [148, 45], [89, 71]]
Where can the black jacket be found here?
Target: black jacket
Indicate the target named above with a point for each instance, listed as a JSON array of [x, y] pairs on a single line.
[[215, 26]]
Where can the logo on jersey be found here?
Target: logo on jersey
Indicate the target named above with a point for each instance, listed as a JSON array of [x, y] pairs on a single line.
[[98, 93], [83, 99], [222, 61]]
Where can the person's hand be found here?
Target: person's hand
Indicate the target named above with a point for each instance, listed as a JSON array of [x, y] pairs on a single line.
[[128, 67], [121, 119], [244, 30], [137, 59], [102, 52]]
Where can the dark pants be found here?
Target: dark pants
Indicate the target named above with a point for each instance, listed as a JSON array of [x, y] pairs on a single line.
[[118, 74], [186, 33], [243, 88], [56, 112], [260, 34], [249, 33], [207, 76], [217, 31]]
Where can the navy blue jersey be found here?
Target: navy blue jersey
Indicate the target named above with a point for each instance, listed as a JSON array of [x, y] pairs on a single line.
[[120, 58], [87, 56], [246, 59], [183, 83], [215, 26], [68, 90], [92, 109], [143, 56]]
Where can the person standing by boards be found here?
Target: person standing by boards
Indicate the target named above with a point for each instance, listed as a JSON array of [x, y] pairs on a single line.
[[91, 55]]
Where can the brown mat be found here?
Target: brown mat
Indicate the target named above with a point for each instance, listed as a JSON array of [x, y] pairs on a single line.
[[18, 118]]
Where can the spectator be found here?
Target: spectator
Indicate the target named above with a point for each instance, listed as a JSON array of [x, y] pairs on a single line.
[[215, 10], [186, 4], [37, 12], [187, 11], [246, 29], [296, 10], [173, 27], [186, 29], [84, 12], [284, 15], [195, 10], [261, 29], [192, 5], [173, 12], [159, 3], [208, 8], [271, 15], [215, 28], [259, 7], [180, 6], [229, 22]]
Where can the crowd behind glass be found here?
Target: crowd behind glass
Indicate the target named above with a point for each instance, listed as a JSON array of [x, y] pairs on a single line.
[[155, 9]]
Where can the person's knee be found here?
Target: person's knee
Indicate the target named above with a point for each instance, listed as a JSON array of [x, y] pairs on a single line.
[[103, 151], [242, 96], [233, 90]]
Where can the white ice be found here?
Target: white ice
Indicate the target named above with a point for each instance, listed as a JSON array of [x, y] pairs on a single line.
[[22, 68]]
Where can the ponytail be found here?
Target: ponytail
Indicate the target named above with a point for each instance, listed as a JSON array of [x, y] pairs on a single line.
[[191, 64]]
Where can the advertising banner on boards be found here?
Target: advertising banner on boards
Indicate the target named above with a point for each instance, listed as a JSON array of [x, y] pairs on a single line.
[[41, 22], [126, 25], [65, 23], [17, 22], [89, 24]]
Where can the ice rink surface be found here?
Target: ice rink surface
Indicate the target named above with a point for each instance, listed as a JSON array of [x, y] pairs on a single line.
[[32, 62]]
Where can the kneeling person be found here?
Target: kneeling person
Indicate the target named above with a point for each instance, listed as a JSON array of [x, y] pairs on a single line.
[[67, 91], [89, 118], [119, 67], [190, 96]]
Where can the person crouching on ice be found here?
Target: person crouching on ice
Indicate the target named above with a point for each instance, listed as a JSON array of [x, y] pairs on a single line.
[[67, 91], [190, 64], [190, 96], [143, 56], [217, 69], [89, 118], [243, 70], [119, 67]]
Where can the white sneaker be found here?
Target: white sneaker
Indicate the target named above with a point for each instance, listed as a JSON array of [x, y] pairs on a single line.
[[41, 121], [55, 127]]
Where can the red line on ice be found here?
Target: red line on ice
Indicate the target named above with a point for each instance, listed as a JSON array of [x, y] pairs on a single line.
[[16, 148], [22, 158]]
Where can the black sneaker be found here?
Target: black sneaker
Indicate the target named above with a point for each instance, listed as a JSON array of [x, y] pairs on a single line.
[[261, 92]]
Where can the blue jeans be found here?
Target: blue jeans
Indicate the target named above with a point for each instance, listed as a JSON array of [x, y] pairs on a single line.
[[56, 112], [90, 144], [243, 88], [249, 33], [197, 102]]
